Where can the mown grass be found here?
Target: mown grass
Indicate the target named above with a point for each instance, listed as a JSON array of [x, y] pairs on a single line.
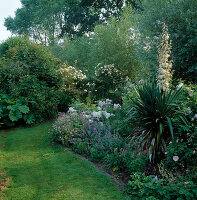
[[38, 170]]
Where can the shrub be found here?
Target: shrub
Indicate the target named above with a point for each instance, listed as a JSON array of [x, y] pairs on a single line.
[[67, 128], [142, 187], [129, 158], [71, 80], [28, 73], [106, 82], [182, 151], [134, 157]]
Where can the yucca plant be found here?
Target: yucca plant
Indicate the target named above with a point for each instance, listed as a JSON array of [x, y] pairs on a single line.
[[153, 111], [157, 104], [164, 73]]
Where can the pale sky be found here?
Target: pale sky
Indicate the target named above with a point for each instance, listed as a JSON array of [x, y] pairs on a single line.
[[7, 8]]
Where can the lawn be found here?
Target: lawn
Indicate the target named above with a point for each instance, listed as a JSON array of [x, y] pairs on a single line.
[[37, 169]]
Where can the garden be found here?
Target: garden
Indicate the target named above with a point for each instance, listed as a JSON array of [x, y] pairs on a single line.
[[118, 90]]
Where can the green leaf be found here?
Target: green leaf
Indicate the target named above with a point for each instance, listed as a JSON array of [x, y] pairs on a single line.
[[30, 120], [170, 127], [10, 108], [24, 109], [15, 115], [184, 120], [163, 144]]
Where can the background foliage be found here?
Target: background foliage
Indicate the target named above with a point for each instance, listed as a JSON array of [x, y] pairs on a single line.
[[28, 76], [180, 17]]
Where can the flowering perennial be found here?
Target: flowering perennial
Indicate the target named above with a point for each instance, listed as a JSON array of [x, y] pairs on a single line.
[[164, 72]]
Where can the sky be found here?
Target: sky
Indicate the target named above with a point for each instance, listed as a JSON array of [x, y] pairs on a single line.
[[7, 8]]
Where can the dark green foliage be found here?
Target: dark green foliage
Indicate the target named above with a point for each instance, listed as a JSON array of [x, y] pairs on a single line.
[[80, 148], [181, 18], [184, 151], [64, 101], [142, 187], [28, 75], [47, 21], [153, 112], [13, 110], [111, 44], [130, 158]]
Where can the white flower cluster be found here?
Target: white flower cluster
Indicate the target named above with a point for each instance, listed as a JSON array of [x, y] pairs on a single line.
[[100, 112], [106, 69], [71, 110], [108, 102], [165, 65], [71, 71]]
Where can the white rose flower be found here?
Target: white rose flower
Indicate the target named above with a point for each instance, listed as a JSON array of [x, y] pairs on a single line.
[[71, 109], [175, 158]]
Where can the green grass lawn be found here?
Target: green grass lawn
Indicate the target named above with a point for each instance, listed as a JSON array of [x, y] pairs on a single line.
[[42, 171]]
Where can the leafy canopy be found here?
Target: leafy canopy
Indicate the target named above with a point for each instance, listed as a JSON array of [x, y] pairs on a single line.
[[47, 21]]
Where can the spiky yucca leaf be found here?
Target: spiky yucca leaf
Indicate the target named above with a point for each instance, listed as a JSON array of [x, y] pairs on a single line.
[[153, 110]]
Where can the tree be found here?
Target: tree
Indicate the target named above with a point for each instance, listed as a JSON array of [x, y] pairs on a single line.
[[111, 43], [181, 18], [47, 21]]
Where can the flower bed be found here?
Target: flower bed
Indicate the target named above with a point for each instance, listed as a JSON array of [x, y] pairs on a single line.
[[94, 131]]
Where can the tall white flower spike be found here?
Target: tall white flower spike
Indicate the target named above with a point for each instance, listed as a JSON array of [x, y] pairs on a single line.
[[164, 74]]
